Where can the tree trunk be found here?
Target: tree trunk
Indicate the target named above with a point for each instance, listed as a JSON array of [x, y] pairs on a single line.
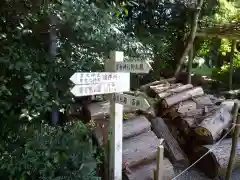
[[231, 63], [190, 62], [52, 54], [191, 36]]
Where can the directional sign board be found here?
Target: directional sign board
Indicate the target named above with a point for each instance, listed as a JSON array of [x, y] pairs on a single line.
[[132, 101], [99, 83], [99, 77], [133, 66]]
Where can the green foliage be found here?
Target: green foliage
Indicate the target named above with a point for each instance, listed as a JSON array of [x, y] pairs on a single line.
[[48, 153], [33, 81], [35, 78]]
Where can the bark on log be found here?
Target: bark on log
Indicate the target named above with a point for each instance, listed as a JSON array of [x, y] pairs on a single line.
[[155, 90], [180, 109], [216, 162], [182, 96], [229, 103], [176, 133], [140, 149], [135, 126], [145, 87], [194, 117], [188, 106], [146, 171], [175, 153], [174, 90], [211, 128], [203, 100], [191, 105]]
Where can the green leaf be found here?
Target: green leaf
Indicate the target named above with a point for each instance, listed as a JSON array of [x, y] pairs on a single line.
[[27, 86]]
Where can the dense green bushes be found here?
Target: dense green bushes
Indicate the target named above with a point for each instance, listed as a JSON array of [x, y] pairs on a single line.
[[48, 153], [33, 80]]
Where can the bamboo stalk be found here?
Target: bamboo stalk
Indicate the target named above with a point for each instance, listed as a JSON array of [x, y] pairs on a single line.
[[234, 141]]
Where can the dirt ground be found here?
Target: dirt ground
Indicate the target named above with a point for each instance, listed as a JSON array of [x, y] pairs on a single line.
[[196, 175]]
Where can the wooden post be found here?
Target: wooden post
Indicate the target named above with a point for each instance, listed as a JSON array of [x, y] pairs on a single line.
[[116, 124], [231, 63], [160, 154], [154, 174], [190, 62], [236, 121]]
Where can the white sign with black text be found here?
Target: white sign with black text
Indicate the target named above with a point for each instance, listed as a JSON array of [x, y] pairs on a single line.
[[132, 101], [133, 67], [88, 84]]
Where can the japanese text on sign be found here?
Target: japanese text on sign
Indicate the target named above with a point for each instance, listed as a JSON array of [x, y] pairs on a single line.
[[97, 78], [130, 66], [94, 89], [127, 101]]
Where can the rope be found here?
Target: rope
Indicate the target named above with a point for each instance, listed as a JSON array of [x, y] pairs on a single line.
[[205, 153]]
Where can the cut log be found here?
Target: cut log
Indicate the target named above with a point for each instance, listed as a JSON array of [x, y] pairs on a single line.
[[182, 96], [203, 101], [194, 117], [135, 126], [186, 106], [145, 172], [176, 155], [180, 109], [211, 128], [145, 87], [176, 133], [215, 163], [140, 149], [177, 88], [216, 100], [155, 90], [191, 105], [229, 103]]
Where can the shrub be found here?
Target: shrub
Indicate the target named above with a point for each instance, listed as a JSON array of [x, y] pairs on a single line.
[[49, 153]]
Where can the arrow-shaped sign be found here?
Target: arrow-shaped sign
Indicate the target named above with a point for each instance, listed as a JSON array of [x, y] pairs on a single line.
[[132, 101], [133, 66], [99, 77], [99, 83]]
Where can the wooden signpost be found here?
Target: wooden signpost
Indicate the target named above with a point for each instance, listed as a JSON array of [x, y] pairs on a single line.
[[116, 79]]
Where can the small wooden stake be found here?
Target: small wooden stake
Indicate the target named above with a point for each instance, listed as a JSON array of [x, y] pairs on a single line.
[[159, 170], [236, 120], [154, 174]]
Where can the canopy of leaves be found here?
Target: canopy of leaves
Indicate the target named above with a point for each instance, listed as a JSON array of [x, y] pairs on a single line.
[[85, 34]]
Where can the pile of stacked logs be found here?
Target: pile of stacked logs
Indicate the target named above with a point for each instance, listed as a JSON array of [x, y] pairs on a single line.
[[197, 121]]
